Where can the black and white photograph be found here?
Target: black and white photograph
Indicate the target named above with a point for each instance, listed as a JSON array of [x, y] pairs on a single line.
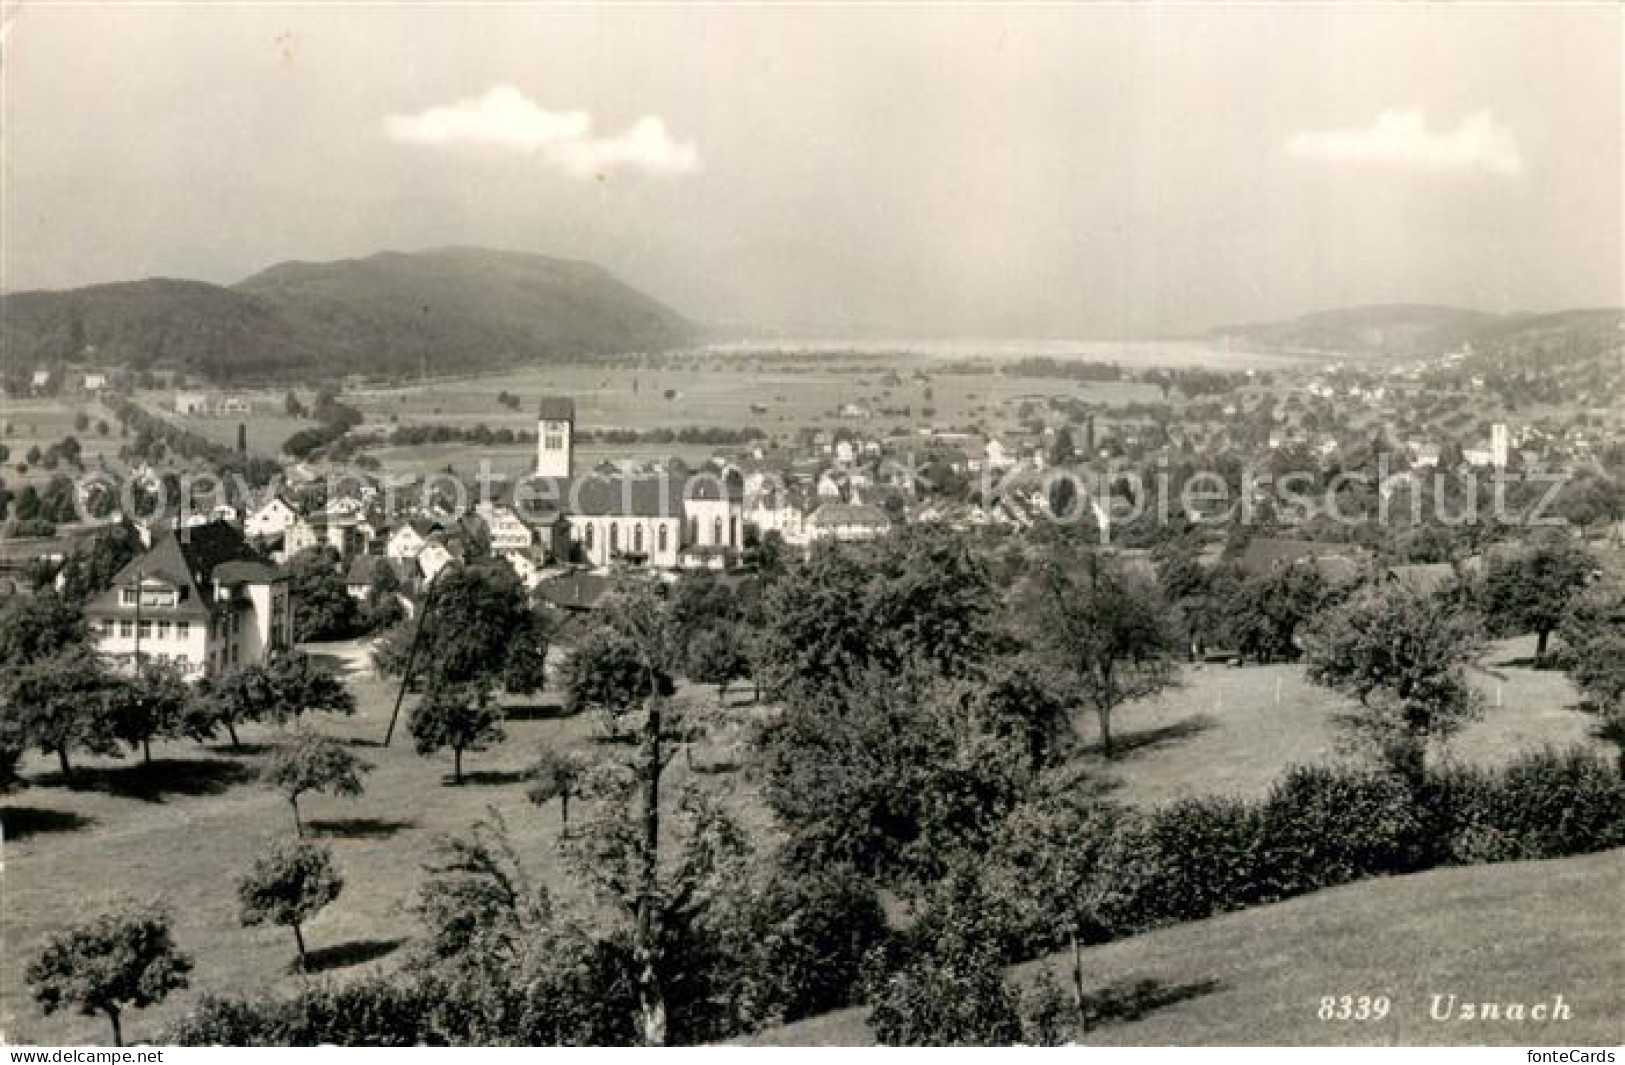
[[811, 525]]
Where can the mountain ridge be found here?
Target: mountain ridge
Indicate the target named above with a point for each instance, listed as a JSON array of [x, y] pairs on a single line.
[[445, 308]]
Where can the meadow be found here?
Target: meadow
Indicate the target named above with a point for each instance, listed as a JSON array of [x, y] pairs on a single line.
[[1515, 931], [183, 830]]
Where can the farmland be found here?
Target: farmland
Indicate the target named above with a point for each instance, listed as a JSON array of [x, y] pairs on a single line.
[[184, 830]]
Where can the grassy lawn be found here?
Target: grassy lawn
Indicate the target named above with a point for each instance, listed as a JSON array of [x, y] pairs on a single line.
[[184, 831], [1519, 931]]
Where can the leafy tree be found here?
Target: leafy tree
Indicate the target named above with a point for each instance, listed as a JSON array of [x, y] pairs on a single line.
[[1402, 657], [1594, 635], [919, 595], [891, 775], [607, 675], [323, 608], [718, 656], [557, 775], [60, 704], [1266, 611], [477, 630], [122, 960], [33, 627], [1104, 628], [156, 702], [641, 625], [288, 886], [462, 718], [313, 763], [284, 688], [796, 945], [87, 573], [13, 745], [1530, 592]]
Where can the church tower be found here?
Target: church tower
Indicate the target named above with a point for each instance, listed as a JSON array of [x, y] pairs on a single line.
[[555, 424]]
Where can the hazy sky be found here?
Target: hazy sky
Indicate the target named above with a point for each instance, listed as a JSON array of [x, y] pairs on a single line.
[[970, 171]]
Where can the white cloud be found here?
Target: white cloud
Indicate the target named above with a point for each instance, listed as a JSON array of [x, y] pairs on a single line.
[[505, 118], [1402, 138]]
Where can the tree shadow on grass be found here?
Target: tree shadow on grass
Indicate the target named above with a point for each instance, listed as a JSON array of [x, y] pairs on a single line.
[[158, 781], [242, 750], [1129, 1000], [346, 954], [1125, 743], [494, 777], [20, 822], [358, 827]]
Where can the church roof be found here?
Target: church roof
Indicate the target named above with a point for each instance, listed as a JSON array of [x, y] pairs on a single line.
[[557, 409]]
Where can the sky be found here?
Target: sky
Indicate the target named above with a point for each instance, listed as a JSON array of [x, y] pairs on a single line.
[[1093, 172]]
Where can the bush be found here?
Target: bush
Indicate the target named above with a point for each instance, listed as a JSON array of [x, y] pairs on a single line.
[[371, 1012], [1189, 860], [958, 1001], [1323, 825], [1545, 804]]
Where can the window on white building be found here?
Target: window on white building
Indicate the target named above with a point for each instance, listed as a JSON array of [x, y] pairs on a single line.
[[126, 629], [144, 630], [163, 630], [183, 630]]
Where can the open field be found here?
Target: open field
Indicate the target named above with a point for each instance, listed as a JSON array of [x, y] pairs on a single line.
[[186, 829], [636, 399], [1517, 931], [43, 421], [268, 424]]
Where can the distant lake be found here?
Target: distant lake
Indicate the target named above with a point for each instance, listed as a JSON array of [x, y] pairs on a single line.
[[1136, 354]]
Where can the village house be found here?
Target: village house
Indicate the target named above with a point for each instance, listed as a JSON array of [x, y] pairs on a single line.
[[847, 523], [200, 598]]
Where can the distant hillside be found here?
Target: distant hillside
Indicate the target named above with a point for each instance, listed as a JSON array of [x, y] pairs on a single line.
[[1388, 329], [157, 322], [442, 310]]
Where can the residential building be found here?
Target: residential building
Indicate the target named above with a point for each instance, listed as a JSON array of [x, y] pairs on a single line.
[[200, 598]]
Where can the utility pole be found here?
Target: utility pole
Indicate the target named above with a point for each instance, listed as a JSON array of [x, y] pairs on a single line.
[[411, 658], [139, 580]]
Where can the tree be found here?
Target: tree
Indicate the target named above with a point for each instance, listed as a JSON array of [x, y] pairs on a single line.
[[606, 675], [38, 626], [1530, 591], [154, 703], [1402, 657], [556, 775], [892, 774], [1105, 629], [639, 622], [122, 960], [1594, 634], [323, 608], [1265, 611], [60, 704], [478, 631], [919, 595], [313, 763], [718, 655], [462, 718], [288, 886]]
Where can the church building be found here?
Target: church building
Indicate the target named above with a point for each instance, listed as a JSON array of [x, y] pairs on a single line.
[[669, 519]]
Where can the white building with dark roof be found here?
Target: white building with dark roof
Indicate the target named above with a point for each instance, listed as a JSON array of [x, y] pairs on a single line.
[[200, 598]]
